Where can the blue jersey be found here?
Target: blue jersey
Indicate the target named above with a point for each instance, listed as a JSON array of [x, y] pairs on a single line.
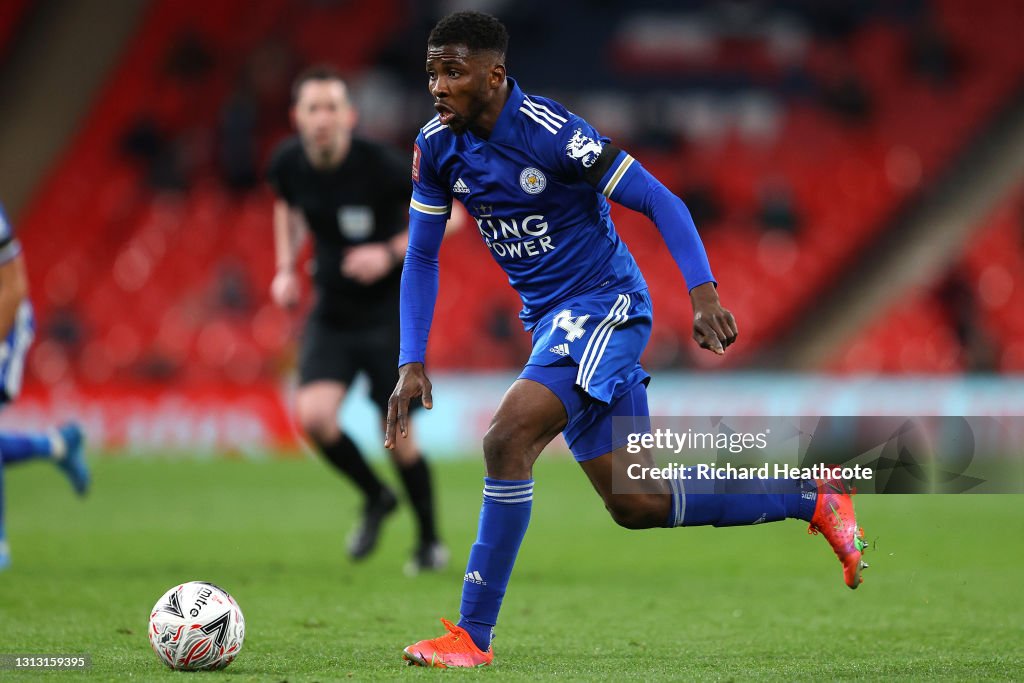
[[15, 345], [543, 222]]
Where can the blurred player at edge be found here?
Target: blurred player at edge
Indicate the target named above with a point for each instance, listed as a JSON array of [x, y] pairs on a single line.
[[352, 195], [62, 445], [536, 178]]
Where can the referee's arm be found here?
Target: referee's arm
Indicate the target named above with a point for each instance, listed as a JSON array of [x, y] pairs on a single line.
[[289, 229]]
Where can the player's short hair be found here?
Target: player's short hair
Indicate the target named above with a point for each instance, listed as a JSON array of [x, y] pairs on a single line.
[[475, 30], [317, 72]]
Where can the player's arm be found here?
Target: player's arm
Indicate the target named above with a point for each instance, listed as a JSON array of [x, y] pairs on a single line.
[[622, 179], [289, 230], [429, 211], [420, 278], [13, 285], [400, 242]]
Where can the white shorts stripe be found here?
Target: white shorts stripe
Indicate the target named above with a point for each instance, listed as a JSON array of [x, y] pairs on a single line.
[[590, 357], [536, 118], [620, 318], [595, 339]]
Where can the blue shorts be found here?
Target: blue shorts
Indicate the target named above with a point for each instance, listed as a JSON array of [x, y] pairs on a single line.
[[13, 351], [588, 354]]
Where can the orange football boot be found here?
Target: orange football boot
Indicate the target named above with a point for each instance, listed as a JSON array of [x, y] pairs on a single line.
[[834, 518], [453, 649]]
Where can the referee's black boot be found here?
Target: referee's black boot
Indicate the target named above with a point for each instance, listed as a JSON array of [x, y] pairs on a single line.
[[365, 536]]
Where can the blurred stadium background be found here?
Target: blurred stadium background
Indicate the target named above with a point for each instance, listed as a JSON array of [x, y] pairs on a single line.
[[855, 169]]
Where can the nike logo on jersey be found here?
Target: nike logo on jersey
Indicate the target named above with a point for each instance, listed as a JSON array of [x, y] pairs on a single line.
[[460, 187]]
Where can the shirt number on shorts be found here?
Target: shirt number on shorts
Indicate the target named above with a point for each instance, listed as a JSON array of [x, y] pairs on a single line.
[[573, 326]]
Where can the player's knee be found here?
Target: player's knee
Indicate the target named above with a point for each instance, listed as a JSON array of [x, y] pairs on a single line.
[[320, 425], [637, 511], [506, 452]]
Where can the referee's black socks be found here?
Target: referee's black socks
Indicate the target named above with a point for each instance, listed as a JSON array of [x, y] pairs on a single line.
[[347, 459], [416, 479]]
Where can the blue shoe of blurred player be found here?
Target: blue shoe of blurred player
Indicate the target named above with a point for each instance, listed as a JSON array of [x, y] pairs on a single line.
[[73, 463], [5, 555]]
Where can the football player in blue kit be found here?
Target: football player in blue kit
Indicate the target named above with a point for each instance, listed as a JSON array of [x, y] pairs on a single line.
[[537, 179], [63, 445]]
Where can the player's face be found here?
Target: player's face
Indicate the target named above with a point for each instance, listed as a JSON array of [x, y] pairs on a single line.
[[323, 117], [463, 83]]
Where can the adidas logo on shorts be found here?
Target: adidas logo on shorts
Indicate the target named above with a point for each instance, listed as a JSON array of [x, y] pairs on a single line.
[[460, 187], [560, 349]]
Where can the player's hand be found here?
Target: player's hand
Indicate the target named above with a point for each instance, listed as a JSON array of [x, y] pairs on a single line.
[[284, 290], [367, 263], [714, 328], [412, 383]]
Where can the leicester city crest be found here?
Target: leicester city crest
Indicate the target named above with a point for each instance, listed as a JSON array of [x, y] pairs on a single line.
[[532, 181]]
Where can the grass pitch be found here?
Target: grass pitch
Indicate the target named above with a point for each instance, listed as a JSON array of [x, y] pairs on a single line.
[[588, 601]]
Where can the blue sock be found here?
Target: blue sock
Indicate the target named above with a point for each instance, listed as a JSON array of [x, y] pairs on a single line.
[[735, 502], [19, 447], [504, 516]]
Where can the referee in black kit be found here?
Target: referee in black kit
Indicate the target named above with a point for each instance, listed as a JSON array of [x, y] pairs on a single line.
[[353, 196]]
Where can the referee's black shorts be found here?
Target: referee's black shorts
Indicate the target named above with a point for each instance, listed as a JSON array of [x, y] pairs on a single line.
[[335, 354]]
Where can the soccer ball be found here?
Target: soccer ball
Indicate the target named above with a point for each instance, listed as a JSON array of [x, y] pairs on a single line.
[[196, 625]]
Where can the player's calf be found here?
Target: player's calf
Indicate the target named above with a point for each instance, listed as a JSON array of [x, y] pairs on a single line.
[[632, 502], [638, 510]]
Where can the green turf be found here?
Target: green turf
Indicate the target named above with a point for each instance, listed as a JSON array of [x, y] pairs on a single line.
[[588, 601]]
